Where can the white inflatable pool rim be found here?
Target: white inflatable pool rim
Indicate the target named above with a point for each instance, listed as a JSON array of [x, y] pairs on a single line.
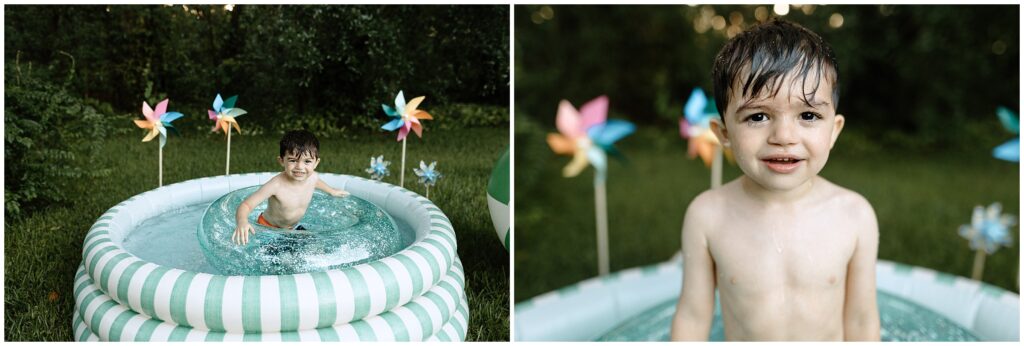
[[587, 310], [221, 303]]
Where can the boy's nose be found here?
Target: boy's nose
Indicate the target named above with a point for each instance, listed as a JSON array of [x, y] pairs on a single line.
[[782, 133]]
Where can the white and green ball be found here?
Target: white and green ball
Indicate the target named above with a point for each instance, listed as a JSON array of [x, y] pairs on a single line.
[[498, 192]]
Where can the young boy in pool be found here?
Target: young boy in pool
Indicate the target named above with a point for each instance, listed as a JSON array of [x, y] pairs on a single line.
[[791, 254], [290, 191]]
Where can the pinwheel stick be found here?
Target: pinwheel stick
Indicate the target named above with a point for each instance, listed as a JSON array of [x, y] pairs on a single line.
[[401, 179], [160, 175], [979, 265], [601, 210], [428, 191], [227, 167], [716, 168]]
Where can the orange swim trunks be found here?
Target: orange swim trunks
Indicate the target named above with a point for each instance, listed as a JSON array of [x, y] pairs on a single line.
[[263, 221]]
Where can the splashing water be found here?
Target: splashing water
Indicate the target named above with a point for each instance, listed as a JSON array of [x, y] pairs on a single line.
[[339, 232]]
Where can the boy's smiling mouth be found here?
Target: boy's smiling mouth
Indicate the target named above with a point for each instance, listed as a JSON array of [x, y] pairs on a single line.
[[782, 163]]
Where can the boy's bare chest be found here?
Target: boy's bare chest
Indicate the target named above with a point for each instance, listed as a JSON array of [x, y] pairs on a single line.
[[763, 256], [298, 197]]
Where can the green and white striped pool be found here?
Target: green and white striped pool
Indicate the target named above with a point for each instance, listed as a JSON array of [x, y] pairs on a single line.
[[416, 294]]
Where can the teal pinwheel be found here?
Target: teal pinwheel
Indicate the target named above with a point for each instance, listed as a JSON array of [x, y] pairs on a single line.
[[695, 126], [587, 135], [378, 168], [1009, 151], [405, 118], [224, 113], [158, 121], [989, 228], [427, 173]]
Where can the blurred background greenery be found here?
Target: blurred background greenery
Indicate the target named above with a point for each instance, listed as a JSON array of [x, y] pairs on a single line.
[[919, 87]]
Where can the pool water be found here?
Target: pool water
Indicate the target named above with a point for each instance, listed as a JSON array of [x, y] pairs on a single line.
[[341, 232], [901, 320]]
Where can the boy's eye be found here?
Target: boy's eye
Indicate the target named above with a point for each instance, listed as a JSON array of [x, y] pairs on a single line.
[[759, 117], [809, 116]]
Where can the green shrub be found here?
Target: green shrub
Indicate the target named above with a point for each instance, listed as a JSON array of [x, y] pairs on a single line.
[[49, 137], [463, 115]]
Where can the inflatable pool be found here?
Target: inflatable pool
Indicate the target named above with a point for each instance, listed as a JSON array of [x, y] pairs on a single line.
[[637, 304], [414, 294]]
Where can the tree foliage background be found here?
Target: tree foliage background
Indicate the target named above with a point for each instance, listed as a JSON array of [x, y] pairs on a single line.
[[76, 74], [338, 62], [920, 77]]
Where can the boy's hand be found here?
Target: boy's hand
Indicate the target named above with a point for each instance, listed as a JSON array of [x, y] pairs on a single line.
[[339, 193], [242, 232]]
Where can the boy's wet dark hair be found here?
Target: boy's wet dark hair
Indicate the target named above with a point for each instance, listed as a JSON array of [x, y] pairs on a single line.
[[299, 142], [770, 51]]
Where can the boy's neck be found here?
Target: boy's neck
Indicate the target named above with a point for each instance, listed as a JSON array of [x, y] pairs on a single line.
[[770, 197]]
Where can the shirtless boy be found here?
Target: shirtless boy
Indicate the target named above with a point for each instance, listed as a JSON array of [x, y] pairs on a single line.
[[290, 191], [791, 254]]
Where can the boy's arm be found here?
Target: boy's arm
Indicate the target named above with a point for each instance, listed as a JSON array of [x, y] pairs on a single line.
[[242, 227], [695, 309], [860, 313], [320, 184]]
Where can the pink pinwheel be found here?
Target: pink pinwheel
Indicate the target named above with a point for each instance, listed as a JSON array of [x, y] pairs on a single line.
[[158, 122], [588, 135]]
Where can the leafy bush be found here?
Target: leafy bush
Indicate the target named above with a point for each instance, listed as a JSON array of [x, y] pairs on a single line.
[[49, 137], [337, 63]]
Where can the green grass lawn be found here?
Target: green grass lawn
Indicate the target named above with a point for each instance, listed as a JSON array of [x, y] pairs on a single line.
[[920, 199], [43, 250]]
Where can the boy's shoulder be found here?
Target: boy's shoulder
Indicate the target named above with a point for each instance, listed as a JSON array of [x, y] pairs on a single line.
[[841, 197], [705, 211], [854, 209]]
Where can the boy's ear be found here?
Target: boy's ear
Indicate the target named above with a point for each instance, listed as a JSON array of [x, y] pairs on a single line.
[[720, 131], [839, 122]]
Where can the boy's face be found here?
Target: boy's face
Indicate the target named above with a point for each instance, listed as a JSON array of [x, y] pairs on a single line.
[[780, 142], [298, 167]]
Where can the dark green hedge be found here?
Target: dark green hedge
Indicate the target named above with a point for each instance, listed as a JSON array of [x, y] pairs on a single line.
[[338, 63], [49, 136]]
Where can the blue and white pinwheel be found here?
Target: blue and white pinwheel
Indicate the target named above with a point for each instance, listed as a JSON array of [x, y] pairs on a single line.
[[428, 175], [1009, 151], [695, 126], [587, 135], [378, 168], [157, 121], [405, 116], [989, 229]]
